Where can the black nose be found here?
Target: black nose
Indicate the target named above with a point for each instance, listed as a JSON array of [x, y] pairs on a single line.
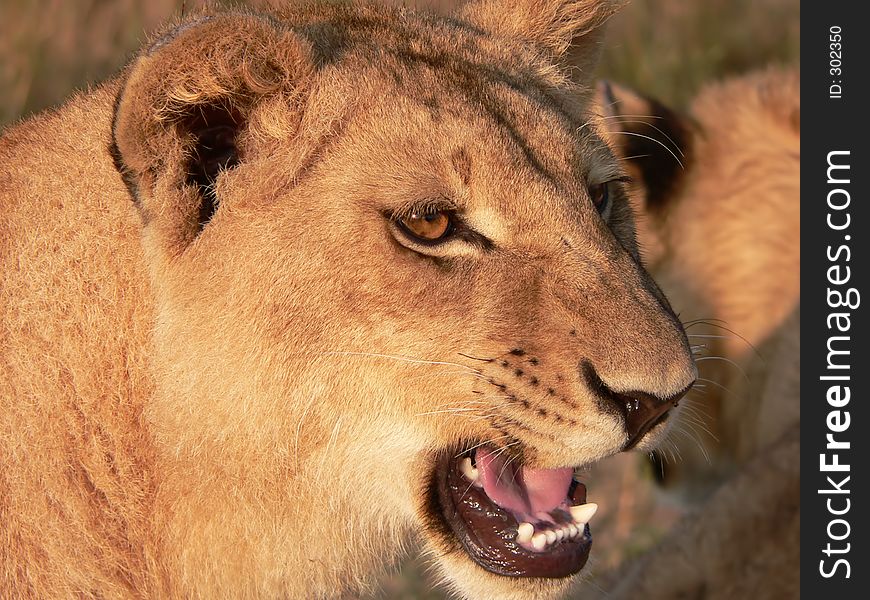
[[641, 411]]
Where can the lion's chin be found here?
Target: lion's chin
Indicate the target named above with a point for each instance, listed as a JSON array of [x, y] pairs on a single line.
[[515, 527], [467, 580]]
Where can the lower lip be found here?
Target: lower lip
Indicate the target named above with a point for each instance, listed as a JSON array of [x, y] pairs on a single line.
[[486, 532]]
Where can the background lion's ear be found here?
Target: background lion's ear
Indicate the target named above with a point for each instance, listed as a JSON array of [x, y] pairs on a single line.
[[654, 141], [570, 31], [185, 105]]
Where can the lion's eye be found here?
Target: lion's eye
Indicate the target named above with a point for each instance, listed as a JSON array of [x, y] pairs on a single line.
[[427, 227], [600, 195]]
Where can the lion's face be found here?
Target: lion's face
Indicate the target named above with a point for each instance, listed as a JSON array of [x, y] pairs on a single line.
[[401, 247]]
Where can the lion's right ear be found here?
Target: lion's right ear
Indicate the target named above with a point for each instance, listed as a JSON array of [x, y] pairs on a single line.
[[185, 107]]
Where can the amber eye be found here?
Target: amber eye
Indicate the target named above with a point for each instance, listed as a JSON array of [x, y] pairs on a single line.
[[600, 195], [427, 227]]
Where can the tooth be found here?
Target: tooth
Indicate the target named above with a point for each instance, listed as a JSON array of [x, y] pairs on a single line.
[[560, 534], [539, 541], [468, 470], [551, 536], [583, 513], [572, 530], [525, 532]]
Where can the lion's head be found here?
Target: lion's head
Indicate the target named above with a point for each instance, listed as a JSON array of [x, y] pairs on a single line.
[[397, 285]]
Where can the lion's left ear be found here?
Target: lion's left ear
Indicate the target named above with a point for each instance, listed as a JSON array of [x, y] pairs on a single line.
[[570, 31]]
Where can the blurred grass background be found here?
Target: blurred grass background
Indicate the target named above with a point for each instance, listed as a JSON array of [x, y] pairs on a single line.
[[665, 48], [669, 48]]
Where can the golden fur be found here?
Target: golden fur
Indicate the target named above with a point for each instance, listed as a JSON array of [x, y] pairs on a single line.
[[246, 399], [722, 238]]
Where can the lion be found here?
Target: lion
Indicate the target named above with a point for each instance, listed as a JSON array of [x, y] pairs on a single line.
[[717, 193], [296, 288]]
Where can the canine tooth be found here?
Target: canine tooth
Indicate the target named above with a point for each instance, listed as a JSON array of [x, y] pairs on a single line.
[[468, 469], [539, 541], [584, 512], [551, 536], [525, 532]]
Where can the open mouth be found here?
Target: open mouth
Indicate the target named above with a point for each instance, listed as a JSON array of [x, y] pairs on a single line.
[[511, 519]]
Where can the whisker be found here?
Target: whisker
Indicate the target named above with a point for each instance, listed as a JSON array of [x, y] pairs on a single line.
[[676, 145], [696, 422], [703, 321], [630, 116], [444, 373], [488, 360], [697, 442], [620, 118], [299, 430], [505, 466], [657, 457], [673, 451], [717, 384], [652, 139], [709, 322], [445, 411], [484, 443], [332, 439], [504, 449], [496, 454], [470, 485], [397, 357], [695, 416], [698, 410], [726, 360]]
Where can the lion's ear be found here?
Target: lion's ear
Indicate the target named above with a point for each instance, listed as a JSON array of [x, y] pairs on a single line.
[[654, 140], [570, 31], [185, 106]]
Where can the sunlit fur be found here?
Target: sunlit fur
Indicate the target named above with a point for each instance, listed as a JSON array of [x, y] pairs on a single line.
[[251, 407]]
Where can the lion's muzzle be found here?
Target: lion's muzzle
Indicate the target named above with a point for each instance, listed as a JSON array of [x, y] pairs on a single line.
[[640, 410]]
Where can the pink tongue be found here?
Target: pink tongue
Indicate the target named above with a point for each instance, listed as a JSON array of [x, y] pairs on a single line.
[[526, 490]]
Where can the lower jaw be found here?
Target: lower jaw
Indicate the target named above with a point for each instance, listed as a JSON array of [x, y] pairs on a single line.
[[487, 533]]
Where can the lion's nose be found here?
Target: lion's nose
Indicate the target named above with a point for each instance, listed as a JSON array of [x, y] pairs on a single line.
[[641, 411]]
